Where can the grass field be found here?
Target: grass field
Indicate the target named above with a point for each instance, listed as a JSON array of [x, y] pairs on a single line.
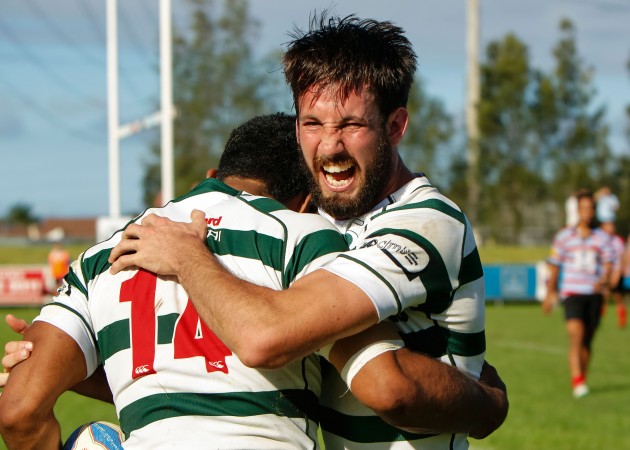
[[528, 348]]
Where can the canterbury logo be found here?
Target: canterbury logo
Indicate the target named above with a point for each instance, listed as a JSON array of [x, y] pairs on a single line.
[[142, 369], [217, 364], [215, 222]]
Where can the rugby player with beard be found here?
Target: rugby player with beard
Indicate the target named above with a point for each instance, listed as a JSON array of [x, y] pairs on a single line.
[[413, 258]]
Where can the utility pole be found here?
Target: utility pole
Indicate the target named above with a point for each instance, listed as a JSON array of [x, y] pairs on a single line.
[[112, 109], [166, 97], [473, 96]]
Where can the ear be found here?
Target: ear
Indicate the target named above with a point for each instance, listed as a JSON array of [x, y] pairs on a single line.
[[300, 203], [211, 173], [306, 204], [396, 125]]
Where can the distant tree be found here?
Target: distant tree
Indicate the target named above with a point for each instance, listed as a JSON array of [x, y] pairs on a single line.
[[216, 87], [510, 180], [572, 133], [429, 131], [20, 214], [541, 136], [620, 179]]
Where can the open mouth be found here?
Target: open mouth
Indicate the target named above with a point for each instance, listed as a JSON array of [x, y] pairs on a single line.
[[339, 174]]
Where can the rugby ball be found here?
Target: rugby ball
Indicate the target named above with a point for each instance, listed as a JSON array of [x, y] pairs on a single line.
[[97, 435]]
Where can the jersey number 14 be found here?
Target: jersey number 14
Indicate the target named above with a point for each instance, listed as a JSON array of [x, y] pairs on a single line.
[[192, 336]]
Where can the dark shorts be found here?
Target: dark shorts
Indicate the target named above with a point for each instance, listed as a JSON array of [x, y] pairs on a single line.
[[587, 308]]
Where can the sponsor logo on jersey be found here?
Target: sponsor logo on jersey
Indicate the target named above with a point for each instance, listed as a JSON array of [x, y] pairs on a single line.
[[411, 262], [214, 221], [64, 289], [387, 245], [217, 364], [142, 369], [214, 234]]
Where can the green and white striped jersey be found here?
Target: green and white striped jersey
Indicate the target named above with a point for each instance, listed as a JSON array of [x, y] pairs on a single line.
[[175, 384], [415, 257]]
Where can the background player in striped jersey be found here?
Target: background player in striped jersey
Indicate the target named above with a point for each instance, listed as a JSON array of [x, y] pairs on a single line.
[[413, 256], [233, 406], [583, 255]]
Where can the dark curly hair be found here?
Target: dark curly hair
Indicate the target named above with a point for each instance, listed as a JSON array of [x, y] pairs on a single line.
[[265, 149], [350, 54]]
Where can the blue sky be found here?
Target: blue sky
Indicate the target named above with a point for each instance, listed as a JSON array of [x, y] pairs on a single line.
[[53, 143]]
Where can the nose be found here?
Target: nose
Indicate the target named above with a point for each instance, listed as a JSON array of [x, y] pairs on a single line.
[[331, 142]]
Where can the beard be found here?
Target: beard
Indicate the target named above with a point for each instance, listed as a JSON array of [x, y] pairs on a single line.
[[376, 175]]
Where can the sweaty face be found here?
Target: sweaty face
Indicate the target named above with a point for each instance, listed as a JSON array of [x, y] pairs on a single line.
[[346, 150]]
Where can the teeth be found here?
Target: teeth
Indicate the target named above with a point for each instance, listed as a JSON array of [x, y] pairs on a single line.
[[337, 167], [336, 183]]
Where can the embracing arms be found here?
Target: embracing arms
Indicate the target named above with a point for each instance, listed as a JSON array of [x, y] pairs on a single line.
[[264, 327], [420, 394], [268, 328]]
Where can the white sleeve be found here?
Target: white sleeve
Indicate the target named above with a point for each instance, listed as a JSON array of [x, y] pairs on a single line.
[[405, 259], [69, 313]]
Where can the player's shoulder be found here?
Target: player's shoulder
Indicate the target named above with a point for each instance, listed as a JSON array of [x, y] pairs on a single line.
[[305, 223], [419, 199]]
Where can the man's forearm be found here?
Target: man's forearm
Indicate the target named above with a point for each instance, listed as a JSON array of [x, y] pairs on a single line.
[[264, 327], [432, 397], [269, 328]]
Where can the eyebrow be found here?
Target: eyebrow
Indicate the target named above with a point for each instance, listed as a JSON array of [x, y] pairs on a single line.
[[345, 119]]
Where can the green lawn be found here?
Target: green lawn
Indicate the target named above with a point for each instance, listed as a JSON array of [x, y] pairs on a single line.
[[528, 348]]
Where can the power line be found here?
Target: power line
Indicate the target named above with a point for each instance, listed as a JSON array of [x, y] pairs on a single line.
[[50, 74], [47, 115], [70, 42], [127, 80], [88, 11], [131, 33]]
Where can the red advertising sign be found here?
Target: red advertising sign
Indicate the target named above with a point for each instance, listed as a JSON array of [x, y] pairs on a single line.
[[23, 285]]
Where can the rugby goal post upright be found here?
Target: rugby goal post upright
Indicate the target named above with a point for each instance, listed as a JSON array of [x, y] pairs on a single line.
[[116, 132]]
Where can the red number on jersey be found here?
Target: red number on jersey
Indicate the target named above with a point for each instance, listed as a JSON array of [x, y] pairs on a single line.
[[140, 291], [192, 336]]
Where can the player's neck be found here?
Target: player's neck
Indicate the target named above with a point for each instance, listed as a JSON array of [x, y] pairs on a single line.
[[254, 187]]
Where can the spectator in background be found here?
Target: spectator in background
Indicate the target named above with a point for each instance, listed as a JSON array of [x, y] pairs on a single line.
[[570, 209], [58, 263], [616, 275], [584, 255], [607, 205]]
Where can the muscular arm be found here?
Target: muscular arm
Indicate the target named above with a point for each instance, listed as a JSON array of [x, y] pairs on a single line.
[[264, 327], [268, 328], [26, 405], [95, 386], [419, 394]]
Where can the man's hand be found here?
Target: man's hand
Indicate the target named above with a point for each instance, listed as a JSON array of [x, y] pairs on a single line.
[[157, 244], [489, 377], [15, 351]]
